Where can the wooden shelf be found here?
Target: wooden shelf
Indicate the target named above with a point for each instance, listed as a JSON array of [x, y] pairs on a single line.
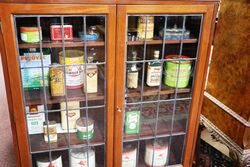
[[76, 42], [34, 97], [152, 91], [39, 145], [157, 41]]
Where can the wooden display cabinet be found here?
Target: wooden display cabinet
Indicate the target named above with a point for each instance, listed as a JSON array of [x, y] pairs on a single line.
[[165, 114]]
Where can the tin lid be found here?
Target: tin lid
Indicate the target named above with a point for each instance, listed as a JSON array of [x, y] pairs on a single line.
[[72, 53], [29, 29], [46, 159], [82, 153], [159, 144], [50, 123], [83, 122], [177, 59]]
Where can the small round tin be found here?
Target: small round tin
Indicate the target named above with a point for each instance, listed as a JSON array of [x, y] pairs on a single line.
[[85, 128]]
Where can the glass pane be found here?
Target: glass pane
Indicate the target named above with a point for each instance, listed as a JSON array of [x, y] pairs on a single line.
[[161, 56], [63, 70]]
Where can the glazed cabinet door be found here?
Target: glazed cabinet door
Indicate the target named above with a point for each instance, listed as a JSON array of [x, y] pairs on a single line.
[[60, 61], [160, 71]]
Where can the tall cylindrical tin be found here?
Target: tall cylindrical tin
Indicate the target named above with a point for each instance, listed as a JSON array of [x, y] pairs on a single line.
[[71, 115], [74, 72], [57, 86], [156, 153], [145, 25], [82, 157]]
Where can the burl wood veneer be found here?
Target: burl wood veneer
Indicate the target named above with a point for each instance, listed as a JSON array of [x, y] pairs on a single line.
[[229, 78]]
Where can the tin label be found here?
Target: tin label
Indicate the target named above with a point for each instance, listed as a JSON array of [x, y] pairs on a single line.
[[84, 132], [57, 81], [55, 163], [92, 78], [132, 122], [156, 157], [74, 76], [83, 162], [143, 23], [35, 120], [154, 75], [56, 32], [129, 159], [72, 115]]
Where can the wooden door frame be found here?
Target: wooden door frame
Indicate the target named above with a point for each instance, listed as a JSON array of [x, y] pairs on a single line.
[[12, 72], [204, 50]]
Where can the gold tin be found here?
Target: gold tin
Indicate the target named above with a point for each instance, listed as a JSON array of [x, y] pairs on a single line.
[[145, 25], [57, 86]]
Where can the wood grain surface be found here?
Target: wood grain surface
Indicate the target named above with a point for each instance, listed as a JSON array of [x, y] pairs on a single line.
[[229, 78]]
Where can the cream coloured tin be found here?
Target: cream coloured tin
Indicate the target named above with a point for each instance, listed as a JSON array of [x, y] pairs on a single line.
[[156, 154], [82, 157], [71, 116]]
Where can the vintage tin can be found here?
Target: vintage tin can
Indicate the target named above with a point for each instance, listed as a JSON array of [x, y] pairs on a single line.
[[145, 25], [34, 119], [56, 32], [82, 157], [57, 86], [85, 128], [45, 162], [132, 122], [71, 116], [30, 34], [50, 129], [156, 153], [129, 156], [172, 67], [74, 73]]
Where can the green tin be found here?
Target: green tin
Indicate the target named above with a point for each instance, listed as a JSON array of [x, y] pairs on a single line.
[[85, 128], [132, 122], [171, 71]]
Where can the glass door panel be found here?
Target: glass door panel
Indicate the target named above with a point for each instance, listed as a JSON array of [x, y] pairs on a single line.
[[63, 66], [161, 56]]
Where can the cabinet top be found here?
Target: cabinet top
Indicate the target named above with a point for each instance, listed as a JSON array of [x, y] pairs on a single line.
[[108, 1]]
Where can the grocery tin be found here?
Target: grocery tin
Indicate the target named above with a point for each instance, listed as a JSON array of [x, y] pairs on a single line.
[[45, 162], [75, 72], [91, 77], [50, 132], [34, 119], [71, 115], [30, 34], [85, 128], [156, 153], [57, 86], [129, 156], [132, 122], [143, 23], [82, 157], [56, 32], [172, 67]]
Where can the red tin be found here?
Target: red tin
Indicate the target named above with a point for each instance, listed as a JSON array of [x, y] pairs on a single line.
[[56, 32]]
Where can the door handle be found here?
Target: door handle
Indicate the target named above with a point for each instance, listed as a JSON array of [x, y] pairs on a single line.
[[118, 109]]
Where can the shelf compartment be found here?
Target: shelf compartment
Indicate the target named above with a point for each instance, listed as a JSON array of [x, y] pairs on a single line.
[[147, 132], [76, 42], [152, 91], [39, 145], [34, 97], [158, 41]]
